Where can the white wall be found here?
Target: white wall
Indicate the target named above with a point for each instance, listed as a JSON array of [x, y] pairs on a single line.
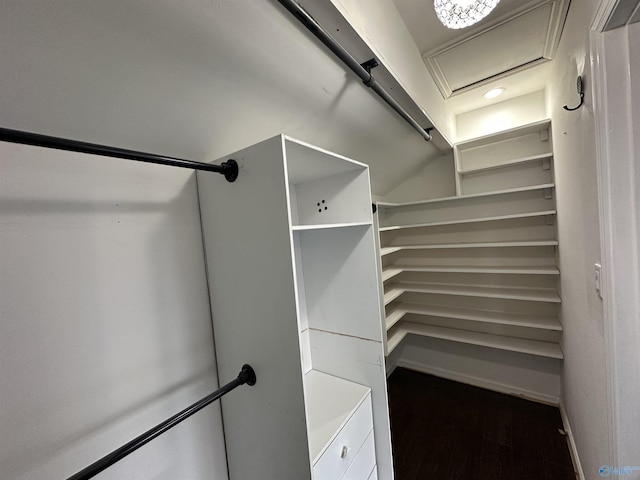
[[106, 327], [584, 376], [435, 180], [504, 115]]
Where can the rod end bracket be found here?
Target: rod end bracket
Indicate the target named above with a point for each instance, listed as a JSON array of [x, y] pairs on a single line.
[[230, 170], [247, 374]]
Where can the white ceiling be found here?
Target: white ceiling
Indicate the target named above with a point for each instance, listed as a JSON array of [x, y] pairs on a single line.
[[504, 40]]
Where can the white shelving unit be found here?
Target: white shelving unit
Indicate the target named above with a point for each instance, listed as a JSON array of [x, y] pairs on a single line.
[[292, 264], [479, 268]]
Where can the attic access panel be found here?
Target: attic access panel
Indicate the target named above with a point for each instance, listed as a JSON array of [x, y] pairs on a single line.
[[522, 40]]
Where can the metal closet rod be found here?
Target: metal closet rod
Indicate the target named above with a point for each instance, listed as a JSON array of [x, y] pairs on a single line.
[[246, 375], [229, 168], [364, 73]]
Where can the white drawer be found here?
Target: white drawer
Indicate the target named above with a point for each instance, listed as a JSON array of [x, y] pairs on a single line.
[[374, 474], [337, 458], [365, 461]]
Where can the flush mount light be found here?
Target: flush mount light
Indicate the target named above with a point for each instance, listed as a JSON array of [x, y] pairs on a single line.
[[462, 13], [494, 92]]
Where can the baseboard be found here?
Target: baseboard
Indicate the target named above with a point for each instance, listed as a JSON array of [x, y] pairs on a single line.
[[391, 367], [572, 444], [480, 382]]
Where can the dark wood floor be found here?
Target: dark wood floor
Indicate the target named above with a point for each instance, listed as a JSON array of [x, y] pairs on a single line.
[[444, 430]]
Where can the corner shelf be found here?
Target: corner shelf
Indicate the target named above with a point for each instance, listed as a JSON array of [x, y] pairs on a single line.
[[506, 293], [391, 272], [300, 228], [507, 163], [531, 347], [440, 246]]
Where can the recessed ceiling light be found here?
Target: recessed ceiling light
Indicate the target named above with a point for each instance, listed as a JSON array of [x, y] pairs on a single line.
[[494, 92]]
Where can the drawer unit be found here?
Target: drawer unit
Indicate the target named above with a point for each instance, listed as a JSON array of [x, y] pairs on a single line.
[[364, 463]]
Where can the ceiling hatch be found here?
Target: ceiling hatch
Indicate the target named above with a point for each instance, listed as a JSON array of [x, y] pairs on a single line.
[[524, 39]]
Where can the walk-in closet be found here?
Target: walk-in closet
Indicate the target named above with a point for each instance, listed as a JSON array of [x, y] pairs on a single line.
[[319, 239]]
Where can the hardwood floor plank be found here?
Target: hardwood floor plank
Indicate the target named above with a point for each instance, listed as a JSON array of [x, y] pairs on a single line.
[[446, 430]]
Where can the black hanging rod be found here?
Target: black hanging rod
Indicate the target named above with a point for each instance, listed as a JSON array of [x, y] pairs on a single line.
[[229, 168], [246, 375], [361, 70]]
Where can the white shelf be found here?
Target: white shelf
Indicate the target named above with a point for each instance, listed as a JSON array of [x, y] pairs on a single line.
[[389, 250], [484, 316], [395, 337], [395, 315], [391, 272], [465, 197], [507, 293], [392, 294], [531, 243], [330, 402], [508, 134], [298, 228], [508, 163], [472, 220], [531, 347]]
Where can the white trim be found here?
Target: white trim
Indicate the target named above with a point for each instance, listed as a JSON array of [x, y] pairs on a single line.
[[602, 14], [600, 113], [480, 382], [577, 466]]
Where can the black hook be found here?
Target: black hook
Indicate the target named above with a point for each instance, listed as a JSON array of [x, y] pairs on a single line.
[[580, 87]]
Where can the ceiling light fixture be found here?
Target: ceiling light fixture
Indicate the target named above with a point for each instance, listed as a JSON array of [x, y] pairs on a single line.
[[494, 92], [462, 13]]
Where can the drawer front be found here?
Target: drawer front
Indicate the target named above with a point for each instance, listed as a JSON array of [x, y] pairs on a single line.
[[365, 461], [374, 474], [340, 454]]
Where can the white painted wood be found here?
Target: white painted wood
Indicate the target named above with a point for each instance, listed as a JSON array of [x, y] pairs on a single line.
[[530, 347], [392, 293], [526, 294], [394, 315], [341, 453], [364, 463], [331, 403], [297, 228], [573, 450], [463, 197], [389, 273], [339, 267], [503, 318], [505, 135], [469, 206], [241, 241], [533, 243], [510, 176], [316, 276], [395, 337], [507, 163], [472, 220], [360, 361]]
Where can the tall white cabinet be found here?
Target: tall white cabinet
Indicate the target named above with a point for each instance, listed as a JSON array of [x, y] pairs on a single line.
[[294, 287]]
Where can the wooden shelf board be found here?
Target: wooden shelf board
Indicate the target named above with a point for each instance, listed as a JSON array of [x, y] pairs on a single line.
[[464, 197], [484, 316], [508, 293], [527, 243], [509, 163], [508, 134], [395, 338], [394, 316], [519, 270], [389, 250], [513, 216], [391, 294], [531, 347], [297, 228], [389, 273]]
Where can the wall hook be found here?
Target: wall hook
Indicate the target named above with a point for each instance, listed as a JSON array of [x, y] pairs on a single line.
[[580, 87]]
